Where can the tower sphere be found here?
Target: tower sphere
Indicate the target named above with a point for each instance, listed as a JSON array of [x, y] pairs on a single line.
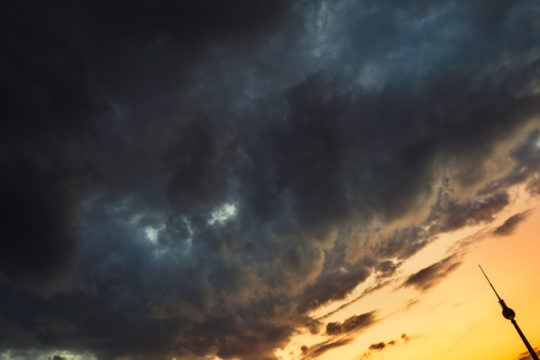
[[508, 313]]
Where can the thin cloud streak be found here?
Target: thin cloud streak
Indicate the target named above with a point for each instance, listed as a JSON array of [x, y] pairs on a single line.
[[510, 224]]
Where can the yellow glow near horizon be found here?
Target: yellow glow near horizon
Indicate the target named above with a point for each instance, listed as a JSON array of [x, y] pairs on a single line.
[[459, 318]]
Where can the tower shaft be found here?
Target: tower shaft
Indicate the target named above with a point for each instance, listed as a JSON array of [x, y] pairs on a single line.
[[529, 347]]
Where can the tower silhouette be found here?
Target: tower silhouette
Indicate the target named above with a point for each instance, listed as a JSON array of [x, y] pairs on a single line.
[[510, 315]]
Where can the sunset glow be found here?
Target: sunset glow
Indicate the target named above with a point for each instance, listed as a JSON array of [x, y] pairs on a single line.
[[460, 316]]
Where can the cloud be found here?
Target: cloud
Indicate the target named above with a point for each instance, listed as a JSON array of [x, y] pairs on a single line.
[[526, 355], [386, 268], [319, 349], [511, 223], [333, 285], [526, 159], [52, 101], [380, 346], [364, 293], [45, 354], [457, 215], [433, 274], [353, 323], [447, 214], [316, 120], [534, 186]]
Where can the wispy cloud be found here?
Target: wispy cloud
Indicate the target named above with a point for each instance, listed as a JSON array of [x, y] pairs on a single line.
[[432, 274], [510, 224], [353, 323], [319, 349], [526, 355], [380, 346]]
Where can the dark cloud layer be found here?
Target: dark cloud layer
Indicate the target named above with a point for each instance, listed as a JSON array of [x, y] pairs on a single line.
[[188, 179]]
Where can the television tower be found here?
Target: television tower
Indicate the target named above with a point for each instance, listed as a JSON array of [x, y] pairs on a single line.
[[510, 315]]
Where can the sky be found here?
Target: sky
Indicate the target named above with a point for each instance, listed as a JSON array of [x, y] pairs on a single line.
[[269, 179]]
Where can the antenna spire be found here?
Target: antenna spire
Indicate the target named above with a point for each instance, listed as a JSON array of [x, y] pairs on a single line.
[[490, 284]]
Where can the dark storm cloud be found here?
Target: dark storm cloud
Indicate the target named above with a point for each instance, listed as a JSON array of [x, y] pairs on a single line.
[[129, 127], [55, 53], [526, 169], [449, 215], [534, 186], [333, 286], [353, 323], [403, 242], [511, 223], [44, 109], [433, 274], [386, 268]]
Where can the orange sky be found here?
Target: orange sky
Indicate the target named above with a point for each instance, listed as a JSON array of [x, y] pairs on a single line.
[[459, 318]]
